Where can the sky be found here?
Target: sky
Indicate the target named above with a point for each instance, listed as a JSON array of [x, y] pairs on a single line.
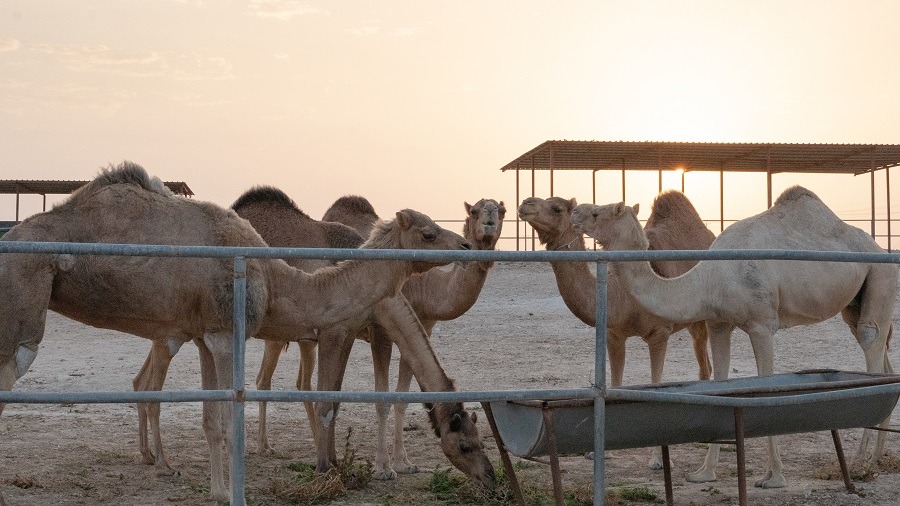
[[417, 104]]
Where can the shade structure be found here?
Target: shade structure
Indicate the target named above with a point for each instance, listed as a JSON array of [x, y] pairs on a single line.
[[55, 187], [721, 157]]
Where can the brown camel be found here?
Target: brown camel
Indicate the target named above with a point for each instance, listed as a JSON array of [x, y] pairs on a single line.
[[674, 224], [191, 298], [762, 296], [438, 294]]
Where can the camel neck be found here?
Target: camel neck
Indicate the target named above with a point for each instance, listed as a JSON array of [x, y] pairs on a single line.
[[333, 294]]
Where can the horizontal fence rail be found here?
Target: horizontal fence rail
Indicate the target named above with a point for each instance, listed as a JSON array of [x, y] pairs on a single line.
[[598, 391]]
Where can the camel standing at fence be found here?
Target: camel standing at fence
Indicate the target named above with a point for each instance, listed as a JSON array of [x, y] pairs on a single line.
[[438, 294], [181, 299], [673, 224], [762, 296]]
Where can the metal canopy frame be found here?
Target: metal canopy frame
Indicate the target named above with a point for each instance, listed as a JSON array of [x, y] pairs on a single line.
[[46, 187], [767, 158]]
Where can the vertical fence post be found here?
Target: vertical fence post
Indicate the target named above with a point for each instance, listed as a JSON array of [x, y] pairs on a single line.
[[600, 385], [237, 409]]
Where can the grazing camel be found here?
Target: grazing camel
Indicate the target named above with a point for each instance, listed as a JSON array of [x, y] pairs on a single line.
[[439, 294], [674, 224], [181, 299], [762, 296]]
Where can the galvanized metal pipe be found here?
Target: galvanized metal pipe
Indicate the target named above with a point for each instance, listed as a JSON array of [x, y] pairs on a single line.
[[600, 306], [239, 328]]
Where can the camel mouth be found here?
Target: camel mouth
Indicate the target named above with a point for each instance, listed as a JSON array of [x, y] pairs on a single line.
[[489, 230]]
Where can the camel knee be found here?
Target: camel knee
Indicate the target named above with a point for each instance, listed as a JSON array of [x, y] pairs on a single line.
[[24, 358], [867, 334]]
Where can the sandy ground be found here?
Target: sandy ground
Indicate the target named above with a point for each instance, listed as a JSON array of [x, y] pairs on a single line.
[[518, 335]]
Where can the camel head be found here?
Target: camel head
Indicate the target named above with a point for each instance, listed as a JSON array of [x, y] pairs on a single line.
[[484, 221], [414, 230], [614, 226], [550, 218], [461, 443]]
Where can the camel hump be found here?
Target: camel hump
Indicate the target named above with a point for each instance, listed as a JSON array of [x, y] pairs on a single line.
[[672, 205], [349, 204], [794, 194], [268, 195], [124, 173], [341, 236]]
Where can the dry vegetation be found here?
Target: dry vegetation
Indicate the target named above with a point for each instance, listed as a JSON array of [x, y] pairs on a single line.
[[519, 335]]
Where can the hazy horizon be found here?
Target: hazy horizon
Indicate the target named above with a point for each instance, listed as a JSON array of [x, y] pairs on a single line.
[[418, 104]]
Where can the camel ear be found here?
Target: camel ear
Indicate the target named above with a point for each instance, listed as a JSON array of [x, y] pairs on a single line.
[[404, 220], [468, 206], [456, 423], [572, 203], [474, 417], [619, 209], [636, 208], [502, 210]]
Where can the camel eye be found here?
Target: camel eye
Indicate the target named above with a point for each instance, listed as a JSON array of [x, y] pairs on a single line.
[[464, 448], [557, 209], [429, 236], [474, 212]]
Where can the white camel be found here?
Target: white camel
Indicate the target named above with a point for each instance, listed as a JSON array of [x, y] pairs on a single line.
[[762, 296]]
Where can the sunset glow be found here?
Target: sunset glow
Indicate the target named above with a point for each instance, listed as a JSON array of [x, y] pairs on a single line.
[[418, 104]]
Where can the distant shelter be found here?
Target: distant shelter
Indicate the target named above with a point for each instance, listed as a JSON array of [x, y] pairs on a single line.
[[721, 157], [20, 187]]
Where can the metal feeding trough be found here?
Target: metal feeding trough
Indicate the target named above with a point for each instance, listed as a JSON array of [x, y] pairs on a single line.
[[699, 411]]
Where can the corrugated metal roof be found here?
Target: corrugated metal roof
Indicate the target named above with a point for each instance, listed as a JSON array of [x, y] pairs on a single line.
[[51, 187], [708, 156]]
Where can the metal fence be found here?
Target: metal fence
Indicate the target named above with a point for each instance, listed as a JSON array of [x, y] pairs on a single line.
[[238, 396]]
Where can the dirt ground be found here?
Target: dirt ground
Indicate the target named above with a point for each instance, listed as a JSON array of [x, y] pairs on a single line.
[[518, 335]]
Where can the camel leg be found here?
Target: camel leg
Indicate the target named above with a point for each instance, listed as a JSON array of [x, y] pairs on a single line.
[[720, 342], [763, 342], [401, 463], [212, 420], [304, 381], [151, 378], [334, 351], [870, 323], [615, 348], [381, 360], [7, 378], [657, 342], [699, 338], [271, 354]]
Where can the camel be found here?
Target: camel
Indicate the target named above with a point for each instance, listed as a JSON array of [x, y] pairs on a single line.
[[180, 299], [762, 296], [674, 224], [438, 294]]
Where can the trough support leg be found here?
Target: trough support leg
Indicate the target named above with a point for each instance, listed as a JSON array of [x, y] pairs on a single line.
[[667, 475], [839, 449], [504, 456], [741, 455], [554, 457]]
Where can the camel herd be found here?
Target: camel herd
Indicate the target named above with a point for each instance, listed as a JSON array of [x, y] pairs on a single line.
[[325, 306]]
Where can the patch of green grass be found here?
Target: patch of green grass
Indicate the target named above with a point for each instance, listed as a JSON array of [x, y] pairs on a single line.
[[638, 494], [523, 464], [711, 491]]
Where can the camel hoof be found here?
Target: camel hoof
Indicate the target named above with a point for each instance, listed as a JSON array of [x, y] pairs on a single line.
[[168, 473], [701, 476], [385, 475], [655, 463], [589, 455], [771, 481], [406, 468]]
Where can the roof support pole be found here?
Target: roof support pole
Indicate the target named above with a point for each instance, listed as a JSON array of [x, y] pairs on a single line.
[[17, 207], [532, 194], [682, 180], [721, 198], [45, 201], [768, 179], [872, 180], [887, 181], [623, 180], [594, 186], [659, 169], [518, 200], [551, 170]]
